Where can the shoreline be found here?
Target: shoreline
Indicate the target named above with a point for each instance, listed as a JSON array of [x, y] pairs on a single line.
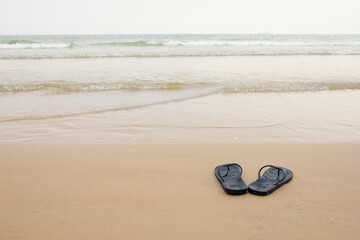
[[162, 190]]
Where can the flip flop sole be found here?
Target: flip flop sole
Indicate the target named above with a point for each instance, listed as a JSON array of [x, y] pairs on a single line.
[[264, 193], [232, 183], [264, 186]]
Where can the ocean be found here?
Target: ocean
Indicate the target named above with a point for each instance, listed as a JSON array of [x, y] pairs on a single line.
[[91, 46], [248, 88]]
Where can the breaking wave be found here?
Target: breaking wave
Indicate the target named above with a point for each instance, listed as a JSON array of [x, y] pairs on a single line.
[[226, 43], [258, 43], [174, 54], [26, 44], [283, 87], [257, 87], [108, 46], [95, 86], [16, 44], [10, 42], [133, 43]]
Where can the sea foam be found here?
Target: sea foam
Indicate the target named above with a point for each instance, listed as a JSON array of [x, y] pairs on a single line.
[[18, 45], [245, 87]]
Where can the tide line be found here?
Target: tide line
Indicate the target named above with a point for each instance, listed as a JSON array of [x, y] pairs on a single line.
[[217, 91]]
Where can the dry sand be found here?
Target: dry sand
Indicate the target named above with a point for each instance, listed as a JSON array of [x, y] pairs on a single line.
[[169, 191]]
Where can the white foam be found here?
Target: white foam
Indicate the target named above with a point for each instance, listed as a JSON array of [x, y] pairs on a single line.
[[259, 43], [34, 45]]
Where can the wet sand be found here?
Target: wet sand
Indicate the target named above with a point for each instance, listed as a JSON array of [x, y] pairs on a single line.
[[169, 191]]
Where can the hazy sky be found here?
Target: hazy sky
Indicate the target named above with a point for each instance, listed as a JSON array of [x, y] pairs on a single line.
[[180, 16]]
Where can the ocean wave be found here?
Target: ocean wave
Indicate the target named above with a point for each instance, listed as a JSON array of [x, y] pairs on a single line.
[[14, 41], [133, 43], [268, 43], [174, 54], [256, 87], [283, 87], [174, 43], [25, 44], [96, 86], [259, 43], [33, 45]]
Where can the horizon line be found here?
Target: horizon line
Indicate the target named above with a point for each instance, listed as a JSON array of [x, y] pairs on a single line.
[[260, 33]]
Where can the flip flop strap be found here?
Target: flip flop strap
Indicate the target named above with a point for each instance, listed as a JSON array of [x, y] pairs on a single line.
[[228, 170], [279, 169]]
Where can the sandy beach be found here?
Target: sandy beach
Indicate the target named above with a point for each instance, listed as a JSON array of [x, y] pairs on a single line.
[[117, 136], [114, 116], [169, 191]]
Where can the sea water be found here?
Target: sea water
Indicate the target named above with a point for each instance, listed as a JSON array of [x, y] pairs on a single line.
[[106, 88]]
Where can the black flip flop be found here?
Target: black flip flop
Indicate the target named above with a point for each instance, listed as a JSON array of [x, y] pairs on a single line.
[[272, 179], [229, 176]]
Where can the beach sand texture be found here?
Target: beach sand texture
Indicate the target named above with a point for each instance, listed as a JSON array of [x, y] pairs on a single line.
[[169, 191]]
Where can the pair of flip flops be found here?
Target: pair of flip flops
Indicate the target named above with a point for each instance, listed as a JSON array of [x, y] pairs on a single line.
[[229, 176]]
